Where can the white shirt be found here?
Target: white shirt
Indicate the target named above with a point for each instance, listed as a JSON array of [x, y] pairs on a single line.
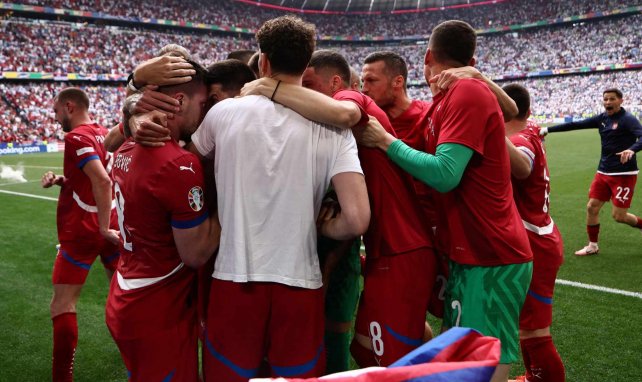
[[272, 168]]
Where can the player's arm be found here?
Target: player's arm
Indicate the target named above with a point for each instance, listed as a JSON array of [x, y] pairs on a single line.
[[196, 244], [589, 123], [450, 76], [354, 217], [521, 164], [161, 71], [442, 171], [311, 104], [115, 138], [49, 179], [636, 129], [101, 188]]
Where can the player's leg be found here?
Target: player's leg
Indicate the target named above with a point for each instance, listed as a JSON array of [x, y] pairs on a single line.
[[489, 300], [392, 311], [70, 271], [237, 322], [599, 193], [622, 188], [295, 330], [342, 295], [541, 359]]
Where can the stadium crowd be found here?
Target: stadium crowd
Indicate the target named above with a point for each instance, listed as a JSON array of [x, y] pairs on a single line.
[[600, 43], [232, 13]]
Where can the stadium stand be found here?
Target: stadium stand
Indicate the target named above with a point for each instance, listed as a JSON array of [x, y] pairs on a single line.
[[103, 54]]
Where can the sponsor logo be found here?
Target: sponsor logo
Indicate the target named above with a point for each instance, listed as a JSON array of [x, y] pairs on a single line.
[[195, 198], [185, 168]]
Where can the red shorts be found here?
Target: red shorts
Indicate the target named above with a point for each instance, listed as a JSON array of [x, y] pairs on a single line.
[[393, 304], [249, 322], [616, 188], [74, 259], [171, 354], [548, 256]]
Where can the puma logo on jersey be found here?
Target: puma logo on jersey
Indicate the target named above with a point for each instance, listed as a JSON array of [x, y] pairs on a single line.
[[187, 168]]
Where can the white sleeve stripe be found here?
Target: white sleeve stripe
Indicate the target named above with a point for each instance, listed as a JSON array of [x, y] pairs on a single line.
[[529, 154], [85, 150]]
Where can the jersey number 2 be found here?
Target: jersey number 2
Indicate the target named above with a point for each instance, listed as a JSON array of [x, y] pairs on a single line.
[[120, 211]]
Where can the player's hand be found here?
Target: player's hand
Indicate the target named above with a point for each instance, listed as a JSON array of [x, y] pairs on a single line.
[[373, 135], [163, 71], [543, 132], [49, 179], [152, 100], [625, 155], [111, 235], [448, 77], [263, 86], [150, 129]]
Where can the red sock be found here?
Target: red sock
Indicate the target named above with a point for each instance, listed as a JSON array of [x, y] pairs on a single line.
[[527, 359], [65, 339], [545, 362], [593, 232], [639, 223]]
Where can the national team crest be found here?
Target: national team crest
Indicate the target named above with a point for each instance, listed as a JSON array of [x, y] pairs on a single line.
[[614, 125], [195, 198]]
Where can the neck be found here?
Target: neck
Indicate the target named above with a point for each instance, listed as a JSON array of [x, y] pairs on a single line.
[[435, 70], [81, 119], [287, 78], [401, 104], [514, 126]]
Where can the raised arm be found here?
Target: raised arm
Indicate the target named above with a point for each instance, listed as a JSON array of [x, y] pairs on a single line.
[[309, 103], [161, 71], [115, 138], [448, 77]]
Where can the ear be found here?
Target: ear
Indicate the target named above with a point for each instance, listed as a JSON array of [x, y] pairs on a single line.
[[264, 65], [398, 81], [180, 97], [70, 106], [472, 61], [427, 56], [336, 82]]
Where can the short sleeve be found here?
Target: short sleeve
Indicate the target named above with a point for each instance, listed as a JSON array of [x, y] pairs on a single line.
[[180, 188], [347, 157], [204, 138], [82, 148], [525, 145], [356, 98], [465, 113]]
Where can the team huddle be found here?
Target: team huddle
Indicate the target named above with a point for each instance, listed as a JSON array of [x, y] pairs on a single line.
[[232, 212]]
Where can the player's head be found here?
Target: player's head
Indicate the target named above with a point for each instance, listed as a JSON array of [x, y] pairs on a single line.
[[286, 44], [612, 99], [69, 104], [327, 72], [522, 99], [384, 75], [242, 55], [192, 98], [226, 78], [254, 64], [452, 44], [174, 50], [355, 80]]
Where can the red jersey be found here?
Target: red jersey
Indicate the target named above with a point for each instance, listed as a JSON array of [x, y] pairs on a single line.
[[77, 216], [484, 224], [396, 224], [156, 189], [532, 194]]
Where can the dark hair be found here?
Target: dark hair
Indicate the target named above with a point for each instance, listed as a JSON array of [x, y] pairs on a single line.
[[288, 43], [395, 64], [198, 79], [231, 74], [522, 99], [242, 55], [74, 95], [329, 59], [617, 92], [453, 42]]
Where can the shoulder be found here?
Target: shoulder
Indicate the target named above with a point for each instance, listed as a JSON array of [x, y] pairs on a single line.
[[470, 90]]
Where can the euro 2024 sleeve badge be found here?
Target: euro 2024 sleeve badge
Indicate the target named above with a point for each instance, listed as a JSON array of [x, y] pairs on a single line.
[[195, 198]]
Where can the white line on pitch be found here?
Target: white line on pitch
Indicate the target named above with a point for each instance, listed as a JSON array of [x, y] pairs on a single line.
[[599, 288], [12, 183], [30, 166], [29, 195]]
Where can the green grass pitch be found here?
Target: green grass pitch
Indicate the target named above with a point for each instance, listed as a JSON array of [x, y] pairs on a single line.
[[597, 333]]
